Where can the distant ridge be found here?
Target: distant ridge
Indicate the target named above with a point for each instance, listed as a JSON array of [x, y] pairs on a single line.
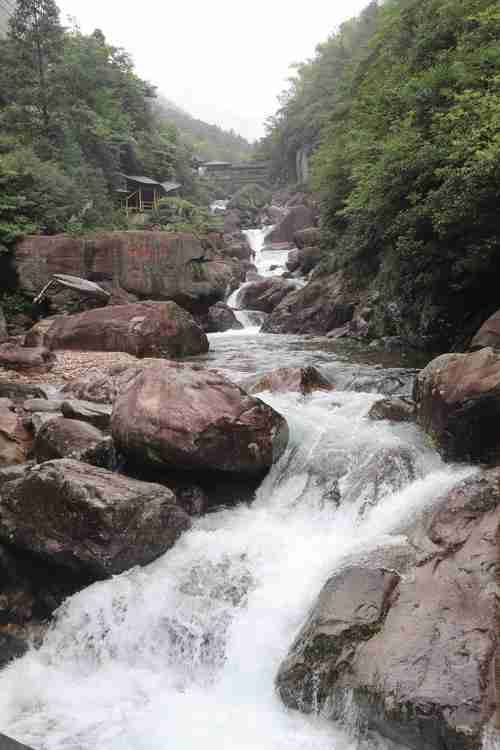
[[210, 142]]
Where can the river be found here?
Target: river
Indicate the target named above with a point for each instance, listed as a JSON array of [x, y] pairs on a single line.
[[182, 654]]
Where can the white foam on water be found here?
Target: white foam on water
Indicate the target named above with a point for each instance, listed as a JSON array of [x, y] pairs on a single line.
[[183, 654]]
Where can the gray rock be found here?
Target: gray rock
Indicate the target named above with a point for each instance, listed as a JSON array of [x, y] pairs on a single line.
[[95, 414], [87, 519]]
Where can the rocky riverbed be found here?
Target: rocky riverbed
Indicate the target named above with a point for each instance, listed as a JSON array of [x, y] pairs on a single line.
[[279, 542]]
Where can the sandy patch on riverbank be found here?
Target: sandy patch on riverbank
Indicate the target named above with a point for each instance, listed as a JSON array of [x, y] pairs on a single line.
[[70, 365]]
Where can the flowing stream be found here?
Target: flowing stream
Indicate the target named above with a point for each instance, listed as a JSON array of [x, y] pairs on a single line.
[[182, 654]]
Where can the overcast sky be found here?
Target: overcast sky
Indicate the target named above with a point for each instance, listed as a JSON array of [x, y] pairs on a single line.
[[224, 61]]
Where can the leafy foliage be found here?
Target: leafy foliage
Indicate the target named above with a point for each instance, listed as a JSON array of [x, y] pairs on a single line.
[[407, 157], [73, 116], [179, 215]]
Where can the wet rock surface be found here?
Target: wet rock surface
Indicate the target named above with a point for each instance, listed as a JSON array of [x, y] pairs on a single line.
[[394, 409], [265, 295], [220, 318], [413, 646], [319, 307], [142, 329], [458, 405], [192, 418], [90, 520], [302, 380]]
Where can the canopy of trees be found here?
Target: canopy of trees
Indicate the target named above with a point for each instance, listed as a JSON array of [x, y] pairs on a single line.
[[402, 106], [73, 116]]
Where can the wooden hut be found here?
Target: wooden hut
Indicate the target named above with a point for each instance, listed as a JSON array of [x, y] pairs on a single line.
[[139, 194]]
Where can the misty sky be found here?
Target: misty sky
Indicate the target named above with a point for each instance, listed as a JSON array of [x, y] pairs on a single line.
[[224, 61]]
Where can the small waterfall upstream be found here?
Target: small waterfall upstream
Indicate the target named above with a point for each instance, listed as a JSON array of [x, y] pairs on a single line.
[[264, 261], [182, 654]]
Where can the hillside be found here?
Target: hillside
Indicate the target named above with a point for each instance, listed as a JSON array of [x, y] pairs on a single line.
[[208, 141], [401, 109]]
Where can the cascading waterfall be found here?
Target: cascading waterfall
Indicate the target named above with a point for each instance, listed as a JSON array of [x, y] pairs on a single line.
[[264, 260], [184, 652]]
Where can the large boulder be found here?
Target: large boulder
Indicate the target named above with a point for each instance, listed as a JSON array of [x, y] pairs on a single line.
[[264, 295], [322, 305], [299, 217], [88, 519], [458, 405], [189, 418], [15, 441], [488, 334], [303, 380], [410, 637], [151, 265], [220, 318], [142, 329], [69, 438]]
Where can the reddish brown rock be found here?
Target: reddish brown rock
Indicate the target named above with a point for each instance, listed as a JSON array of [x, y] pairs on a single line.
[[151, 265], [302, 380], [458, 405], [321, 306], [488, 334], [264, 295], [145, 328], [188, 418], [411, 641], [299, 217], [93, 521]]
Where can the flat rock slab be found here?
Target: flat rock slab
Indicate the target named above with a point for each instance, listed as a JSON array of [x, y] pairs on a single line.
[[87, 519], [95, 414]]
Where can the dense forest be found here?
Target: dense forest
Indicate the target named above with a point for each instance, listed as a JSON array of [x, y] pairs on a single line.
[[73, 116], [401, 109]]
